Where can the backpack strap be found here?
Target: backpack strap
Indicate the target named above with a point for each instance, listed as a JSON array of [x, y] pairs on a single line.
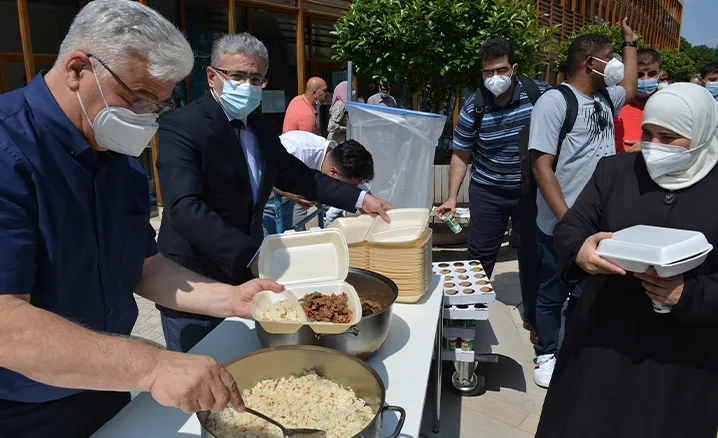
[[607, 97], [479, 106], [569, 120], [532, 90]]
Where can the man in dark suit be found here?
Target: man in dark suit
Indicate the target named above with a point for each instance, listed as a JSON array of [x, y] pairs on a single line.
[[217, 165]]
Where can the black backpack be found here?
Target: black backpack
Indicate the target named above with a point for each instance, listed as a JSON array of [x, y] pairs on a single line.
[[528, 182]]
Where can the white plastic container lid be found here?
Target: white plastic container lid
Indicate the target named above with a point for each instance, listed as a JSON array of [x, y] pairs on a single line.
[[656, 246], [308, 257], [407, 225], [355, 229]]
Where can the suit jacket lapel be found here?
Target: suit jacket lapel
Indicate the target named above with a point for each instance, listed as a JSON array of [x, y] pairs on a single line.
[[225, 136]]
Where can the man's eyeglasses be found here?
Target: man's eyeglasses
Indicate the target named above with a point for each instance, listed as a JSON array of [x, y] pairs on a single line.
[[244, 77], [499, 71], [138, 104]]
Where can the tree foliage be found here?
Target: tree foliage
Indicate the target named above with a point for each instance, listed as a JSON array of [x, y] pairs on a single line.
[[612, 32], [677, 64], [700, 56], [433, 45]]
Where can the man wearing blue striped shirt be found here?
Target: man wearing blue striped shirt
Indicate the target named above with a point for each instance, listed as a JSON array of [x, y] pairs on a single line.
[[489, 137]]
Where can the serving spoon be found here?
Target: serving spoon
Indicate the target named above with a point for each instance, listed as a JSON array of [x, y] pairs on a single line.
[[288, 433]]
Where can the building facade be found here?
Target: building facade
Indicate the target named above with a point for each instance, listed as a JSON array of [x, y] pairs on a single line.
[[658, 21], [298, 34]]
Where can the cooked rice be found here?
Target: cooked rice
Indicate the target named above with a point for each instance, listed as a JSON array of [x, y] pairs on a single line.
[[306, 401], [283, 310]]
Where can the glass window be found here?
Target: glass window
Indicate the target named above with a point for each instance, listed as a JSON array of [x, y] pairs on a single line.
[[241, 21], [49, 23], [168, 8], [206, 22], [9, 27], [323, 39], [278, 32]]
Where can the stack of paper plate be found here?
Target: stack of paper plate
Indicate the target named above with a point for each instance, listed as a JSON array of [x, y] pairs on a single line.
[[408, 264], [359, 255], [400, 250]]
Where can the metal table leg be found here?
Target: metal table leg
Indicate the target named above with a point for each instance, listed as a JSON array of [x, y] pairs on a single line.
[[439, 337]]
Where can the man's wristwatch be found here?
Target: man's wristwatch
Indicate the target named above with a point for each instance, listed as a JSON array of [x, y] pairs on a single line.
[[630, 44]]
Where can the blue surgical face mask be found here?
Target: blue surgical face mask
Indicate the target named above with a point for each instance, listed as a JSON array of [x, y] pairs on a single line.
[[354, 93], [646, 87], [384, 95], [713, 88], [240, 99]]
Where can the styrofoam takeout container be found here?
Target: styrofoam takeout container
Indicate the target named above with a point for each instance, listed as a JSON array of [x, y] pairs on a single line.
[[407, 225], [265, 300], [306, 262], [670, 251]]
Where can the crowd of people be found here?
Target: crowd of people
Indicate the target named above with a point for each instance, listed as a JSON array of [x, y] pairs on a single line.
[[615, 145], [610, 148], [74, 217]]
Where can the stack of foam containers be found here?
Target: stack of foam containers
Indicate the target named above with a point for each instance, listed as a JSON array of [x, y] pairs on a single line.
[[400, 250], [467, 291]]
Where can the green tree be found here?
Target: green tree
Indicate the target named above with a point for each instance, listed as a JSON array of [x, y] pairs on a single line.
[[612, 32], [702, 55], [433, 45], [699, 55], [677, 64]]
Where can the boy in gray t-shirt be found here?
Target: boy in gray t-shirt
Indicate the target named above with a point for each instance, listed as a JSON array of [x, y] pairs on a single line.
[[591, 138], [592, 69]]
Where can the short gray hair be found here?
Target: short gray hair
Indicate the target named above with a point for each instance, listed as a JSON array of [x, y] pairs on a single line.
[[116, 30], [243, 43]]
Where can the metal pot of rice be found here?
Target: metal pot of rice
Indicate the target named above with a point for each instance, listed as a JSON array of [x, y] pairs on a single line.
[[362, 340], [304, 386]]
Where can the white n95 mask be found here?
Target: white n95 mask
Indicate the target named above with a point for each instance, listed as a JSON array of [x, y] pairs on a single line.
[[662, 159], [613, 73], [498, 84], [119, 129]]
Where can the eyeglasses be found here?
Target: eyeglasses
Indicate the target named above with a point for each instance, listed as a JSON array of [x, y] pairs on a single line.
[[499, 71], [244, 77], [138, 104]]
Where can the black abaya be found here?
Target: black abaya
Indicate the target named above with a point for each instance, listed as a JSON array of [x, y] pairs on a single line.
[[624, 370]]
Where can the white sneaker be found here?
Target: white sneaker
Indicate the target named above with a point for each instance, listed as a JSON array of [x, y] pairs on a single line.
[[544, 369]]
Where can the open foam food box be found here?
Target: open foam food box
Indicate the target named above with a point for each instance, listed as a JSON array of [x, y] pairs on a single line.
[[305, 262], [670, 251], [407, 225]]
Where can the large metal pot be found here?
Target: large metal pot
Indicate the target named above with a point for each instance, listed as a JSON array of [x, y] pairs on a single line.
[[348, 371], [362, 340]]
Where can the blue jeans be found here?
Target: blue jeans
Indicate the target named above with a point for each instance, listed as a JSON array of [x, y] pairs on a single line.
[[491, 208], [269, 224], [552, 294], [181, 333]]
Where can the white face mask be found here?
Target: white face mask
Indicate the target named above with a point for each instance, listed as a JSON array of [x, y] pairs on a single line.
[[613, 73], [119, 129], [498, 84], [662, 85], [662, 159]]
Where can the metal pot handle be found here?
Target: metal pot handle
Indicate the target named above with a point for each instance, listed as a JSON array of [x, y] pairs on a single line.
[[402, 418], [353, 330]]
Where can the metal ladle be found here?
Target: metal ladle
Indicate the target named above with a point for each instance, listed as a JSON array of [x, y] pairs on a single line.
[[306, 433]]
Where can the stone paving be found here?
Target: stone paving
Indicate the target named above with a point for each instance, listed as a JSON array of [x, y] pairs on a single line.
[[511, 404]]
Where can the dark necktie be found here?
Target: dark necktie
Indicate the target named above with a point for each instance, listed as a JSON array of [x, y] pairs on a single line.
[[244, 142]]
